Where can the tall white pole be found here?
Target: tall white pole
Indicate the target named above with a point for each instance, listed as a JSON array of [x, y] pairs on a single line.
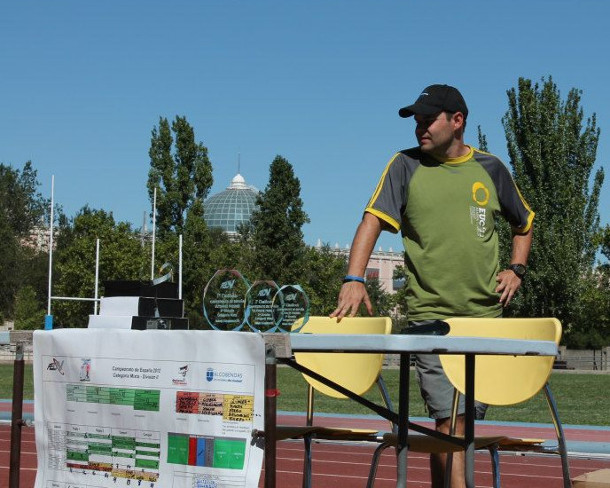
[[51, 244], [97, 273], [180, 266], [154, 229]]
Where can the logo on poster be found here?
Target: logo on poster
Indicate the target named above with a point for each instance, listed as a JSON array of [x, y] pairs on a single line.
[[85, 369], [181, 379], [56, 365], [223, 376]]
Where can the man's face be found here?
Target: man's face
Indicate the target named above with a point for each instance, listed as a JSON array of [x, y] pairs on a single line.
[[435, 133]]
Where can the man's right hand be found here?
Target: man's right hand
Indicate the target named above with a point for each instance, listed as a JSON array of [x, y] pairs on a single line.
[[351, 296]]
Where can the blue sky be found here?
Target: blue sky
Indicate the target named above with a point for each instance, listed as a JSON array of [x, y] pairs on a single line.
[[83, 83]]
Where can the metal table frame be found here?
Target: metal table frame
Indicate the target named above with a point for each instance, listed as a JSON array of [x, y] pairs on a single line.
[[280, 349]]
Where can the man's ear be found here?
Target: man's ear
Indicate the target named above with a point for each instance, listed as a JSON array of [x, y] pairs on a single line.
[[458, 120]]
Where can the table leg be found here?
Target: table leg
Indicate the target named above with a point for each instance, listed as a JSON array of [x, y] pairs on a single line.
[[270, 416], [403, 421], [469, 421]]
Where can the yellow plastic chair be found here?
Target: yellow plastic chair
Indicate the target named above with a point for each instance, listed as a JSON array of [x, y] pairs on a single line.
[[354, 371], [508, 380]]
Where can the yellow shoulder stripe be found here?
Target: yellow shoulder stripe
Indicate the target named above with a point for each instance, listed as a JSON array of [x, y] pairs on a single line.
[[385, 217], [380, 183], [482, 152], [528, 226]]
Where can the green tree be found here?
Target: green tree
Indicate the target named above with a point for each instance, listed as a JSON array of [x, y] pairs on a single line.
[[122, 257], [593, 331], [400, 299], [321, 280], [205, 251], [605, 244], [482, 139], [29, 314], [277, 224], [382, 301], [9, 275], [182, 179], [21, 204], [22, 208], [552, 150]]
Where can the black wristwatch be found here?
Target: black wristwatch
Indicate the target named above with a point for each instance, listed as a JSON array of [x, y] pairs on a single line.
[[518, 269]]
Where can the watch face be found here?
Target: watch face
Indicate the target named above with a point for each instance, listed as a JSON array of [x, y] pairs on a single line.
[[519, 269]]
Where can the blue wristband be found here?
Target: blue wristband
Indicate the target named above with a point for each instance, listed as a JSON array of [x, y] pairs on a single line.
[[349, 278]]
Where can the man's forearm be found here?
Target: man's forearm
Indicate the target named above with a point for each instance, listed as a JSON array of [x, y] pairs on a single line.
[[522, 243], [508, 280], [364, 241], [353, 293]]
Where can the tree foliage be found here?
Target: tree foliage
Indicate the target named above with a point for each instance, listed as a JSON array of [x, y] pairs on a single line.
[[400, 298], [29, 313], [482, 139], [381, 300], [552, 150], [182, 179], [277, 223], [605, 243], [205, 251], [22, 207], [322, 277]]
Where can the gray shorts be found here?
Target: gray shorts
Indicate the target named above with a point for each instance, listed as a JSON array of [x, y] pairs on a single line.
[[436, 389]]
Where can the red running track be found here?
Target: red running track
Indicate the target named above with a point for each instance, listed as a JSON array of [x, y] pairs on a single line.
[[343, 466]]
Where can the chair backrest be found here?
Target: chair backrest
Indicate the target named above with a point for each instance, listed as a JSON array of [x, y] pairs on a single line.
[[503, 380], [356, 372]]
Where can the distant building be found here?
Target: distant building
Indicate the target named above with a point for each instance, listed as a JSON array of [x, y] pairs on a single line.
[[232, 207], [39, 238], [381, 266]]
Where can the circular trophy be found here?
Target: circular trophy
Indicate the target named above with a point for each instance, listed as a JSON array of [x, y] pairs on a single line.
[[296, 306], [224, 300], [264, 306]]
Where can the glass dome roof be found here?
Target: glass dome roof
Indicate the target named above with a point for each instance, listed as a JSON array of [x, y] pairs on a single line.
[[230, 208]]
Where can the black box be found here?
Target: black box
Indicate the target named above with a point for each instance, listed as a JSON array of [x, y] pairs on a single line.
[[160, 323], [127, 288]]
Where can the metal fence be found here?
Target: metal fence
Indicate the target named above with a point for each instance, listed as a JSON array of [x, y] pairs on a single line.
[[586, 360], [17, 341]]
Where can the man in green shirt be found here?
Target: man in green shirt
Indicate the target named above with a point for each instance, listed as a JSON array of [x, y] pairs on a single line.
[[444, 197]]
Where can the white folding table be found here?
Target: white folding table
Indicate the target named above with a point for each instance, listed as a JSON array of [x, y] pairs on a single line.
[[281, 347]]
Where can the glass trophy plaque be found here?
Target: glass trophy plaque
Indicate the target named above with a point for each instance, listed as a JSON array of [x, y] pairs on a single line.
[[224, 300], [296, 306], [264, 306]]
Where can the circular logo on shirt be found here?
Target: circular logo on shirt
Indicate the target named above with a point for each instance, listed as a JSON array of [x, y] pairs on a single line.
[[480, 194]]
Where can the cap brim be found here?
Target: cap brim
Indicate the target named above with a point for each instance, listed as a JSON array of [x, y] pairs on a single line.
[[418, 108]]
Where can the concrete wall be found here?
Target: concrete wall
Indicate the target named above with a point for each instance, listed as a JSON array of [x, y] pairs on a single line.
[[592, 360]]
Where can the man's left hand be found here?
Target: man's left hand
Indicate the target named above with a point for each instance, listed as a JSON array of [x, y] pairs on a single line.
[[508, 284]]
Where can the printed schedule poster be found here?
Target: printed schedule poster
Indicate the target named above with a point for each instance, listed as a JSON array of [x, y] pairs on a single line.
[[150, 409]]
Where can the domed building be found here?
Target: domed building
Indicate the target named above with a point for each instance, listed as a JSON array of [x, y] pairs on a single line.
[[230, 208]]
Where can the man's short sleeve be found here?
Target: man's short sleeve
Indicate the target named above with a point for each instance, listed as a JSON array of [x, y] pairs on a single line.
[[389, 199]]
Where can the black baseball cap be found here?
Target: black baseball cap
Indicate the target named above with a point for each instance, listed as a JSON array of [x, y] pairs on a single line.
[[434, 99]]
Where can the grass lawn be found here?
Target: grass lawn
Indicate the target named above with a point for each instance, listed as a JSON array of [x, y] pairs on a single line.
[[582, 398]]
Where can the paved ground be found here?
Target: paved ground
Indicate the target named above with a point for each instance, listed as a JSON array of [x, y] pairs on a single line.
[[346, 466]]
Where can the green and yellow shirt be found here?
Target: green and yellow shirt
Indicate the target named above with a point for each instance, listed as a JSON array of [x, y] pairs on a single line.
[[446, 213]]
